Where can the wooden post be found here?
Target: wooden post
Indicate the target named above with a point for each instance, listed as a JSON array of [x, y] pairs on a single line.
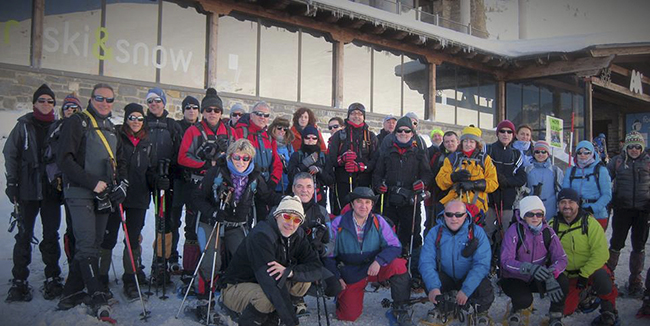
[[589, 88], [213, 33], [37, 33], [431, 94], [337, 75], [501, 102]]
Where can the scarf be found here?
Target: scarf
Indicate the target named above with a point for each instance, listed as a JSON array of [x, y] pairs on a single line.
[[536, 229], [239, 179], [585, 163], [353, 125], [43, 117]]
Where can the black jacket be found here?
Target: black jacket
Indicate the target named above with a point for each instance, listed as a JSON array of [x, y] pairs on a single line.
[[382, 133], [24, 158], [324, 178], [140, 170], [165, 134], [363, 142], [265, 244], [509, 164], [631, 178]]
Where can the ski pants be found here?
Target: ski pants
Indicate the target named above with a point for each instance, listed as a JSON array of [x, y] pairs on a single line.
[[521, 292], [182, 197], [483, 296], [602, 282], [238, 296], [622, 221], [402, 218]]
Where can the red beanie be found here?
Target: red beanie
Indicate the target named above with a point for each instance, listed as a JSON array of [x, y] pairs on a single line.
[[506, 124]]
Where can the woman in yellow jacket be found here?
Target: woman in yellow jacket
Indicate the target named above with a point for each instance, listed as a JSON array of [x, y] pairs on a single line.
[[469, 172]]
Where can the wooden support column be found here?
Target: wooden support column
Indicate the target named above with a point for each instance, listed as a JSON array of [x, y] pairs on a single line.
[[589, 114], [37, 33], [213, 33], [501, 101], [337, 74], [431, 94]]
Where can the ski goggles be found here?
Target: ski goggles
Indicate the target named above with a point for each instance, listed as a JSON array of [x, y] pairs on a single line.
[[297, 220]]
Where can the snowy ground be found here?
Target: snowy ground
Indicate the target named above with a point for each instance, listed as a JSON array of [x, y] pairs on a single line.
[[41, 312]]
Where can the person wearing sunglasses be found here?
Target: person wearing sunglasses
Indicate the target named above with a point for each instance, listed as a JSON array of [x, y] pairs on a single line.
[[302, 118], [544, 179], [524, 144], [591, 179], [390, 121], [71, 105], [630, 172], [528, 266], [456, 257], [273, 263], [95, 179], [191, 108], [388, 141], [28, 187], [401, 190], [309, 158], [236, 112], [585, 245], [280, 132], [378, 261]]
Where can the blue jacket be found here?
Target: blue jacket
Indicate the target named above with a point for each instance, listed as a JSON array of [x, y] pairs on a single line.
[[584, 183], [550, 177], [471, 271], [284, 152], [379, 243]]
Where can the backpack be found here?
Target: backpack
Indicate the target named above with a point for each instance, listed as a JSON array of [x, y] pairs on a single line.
[[51, 148], [595, 173], [471, 245], [521, 237], [584, 226]]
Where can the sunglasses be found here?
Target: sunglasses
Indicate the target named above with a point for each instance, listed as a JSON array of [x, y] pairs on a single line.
[[584, 153], [637, 147], [244, 158], [236, 115], [136, 118], [541, 152], [456, 215], [191, 107], [504, 131], [311, 138], [531, 214], [295, 219], [99, 98], [154, 99], [282, 128], [261, 114], [211, 109], [400, 131], [43, 100], [71, 106], [332, 127]]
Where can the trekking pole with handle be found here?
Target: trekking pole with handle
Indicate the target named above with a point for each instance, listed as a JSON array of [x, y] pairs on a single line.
[[415, 205], [145, 314], [163, 169], [214, 263]]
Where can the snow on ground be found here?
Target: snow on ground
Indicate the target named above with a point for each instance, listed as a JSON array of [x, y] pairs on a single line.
[[41, 312]]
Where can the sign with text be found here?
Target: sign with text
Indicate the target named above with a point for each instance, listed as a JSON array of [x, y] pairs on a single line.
[[554, 131]]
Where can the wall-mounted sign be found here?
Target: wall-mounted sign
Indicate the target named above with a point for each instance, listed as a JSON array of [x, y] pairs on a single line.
[[636, 85], [554, 131]]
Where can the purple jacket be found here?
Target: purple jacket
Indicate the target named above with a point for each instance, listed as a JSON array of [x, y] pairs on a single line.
[[532, 250]]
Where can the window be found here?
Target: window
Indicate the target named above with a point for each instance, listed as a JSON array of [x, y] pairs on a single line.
[[72, 35], [446, 93], [237, 56], [487, 102], [465, 97], [315, 69], [356, 74], [278, 63], [16, 24], [387, 81], [416, 85]]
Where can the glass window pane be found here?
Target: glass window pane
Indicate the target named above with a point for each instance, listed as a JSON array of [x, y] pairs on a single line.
[[487, 102], [446, 93], [16, 24], [513, 103], [530, 106], [279, 63], [316, 70], [236, 56], [416, 85], [182, 60], [386, 87], [356, 75], [467, 97], [132, 34], [546, 105], [579, 109], [70, 35]]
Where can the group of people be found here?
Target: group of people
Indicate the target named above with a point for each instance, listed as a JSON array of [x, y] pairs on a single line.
[[500, 211]]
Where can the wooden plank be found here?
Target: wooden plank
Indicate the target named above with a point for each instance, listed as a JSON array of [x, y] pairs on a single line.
[[431, 96], [501, 103], [620, 51], [337, 75], [213, 26], [620, 89], [560, 68], [37, 33], [627, 73], [589, 90]]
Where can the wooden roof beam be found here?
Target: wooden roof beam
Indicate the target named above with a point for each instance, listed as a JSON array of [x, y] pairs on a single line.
[[626, 72], [415, 39], [561, 67], [486, 58], [619, 51], [373, 29], [619, 89]]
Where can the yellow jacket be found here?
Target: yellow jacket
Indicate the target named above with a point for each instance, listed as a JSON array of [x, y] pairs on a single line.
[[474, 166]]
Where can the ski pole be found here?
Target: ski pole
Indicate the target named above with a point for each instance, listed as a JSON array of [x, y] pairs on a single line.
[[327, 316], [164, 171], [350, 183], [145, 314], [415, 205], [214, 263]]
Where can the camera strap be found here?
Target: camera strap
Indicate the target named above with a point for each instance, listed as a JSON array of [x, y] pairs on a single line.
[[102, 137]]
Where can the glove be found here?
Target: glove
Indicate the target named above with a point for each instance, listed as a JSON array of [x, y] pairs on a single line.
[[382, 189], [466, 185], [118, 193], [539, 272], [208, 151], [216, 217], [309, 160], [313, 170], [553, 290], [582, 283], [460, 175], [503, 181], [162, 183], [479, 185], [222, 145], [352, 167], [346, 157], [12, 190], [418, 186]]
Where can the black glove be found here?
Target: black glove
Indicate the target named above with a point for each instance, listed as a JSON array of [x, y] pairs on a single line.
[[216, 217], [222, 145], [118, 193], [309, 160], [460, 175], [539, 272], [582, 283], [466, 185], [503, 181], [479, 185], [553, 290], [208, 151], [162, 183], [12, 190]]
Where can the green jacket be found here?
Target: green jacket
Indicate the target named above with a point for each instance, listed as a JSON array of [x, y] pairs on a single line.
[[586, 248]]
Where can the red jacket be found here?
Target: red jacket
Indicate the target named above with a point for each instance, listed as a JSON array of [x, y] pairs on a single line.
[[266, 158], [193, 138]]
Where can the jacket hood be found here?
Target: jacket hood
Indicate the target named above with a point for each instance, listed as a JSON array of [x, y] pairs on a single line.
[[585, 144]]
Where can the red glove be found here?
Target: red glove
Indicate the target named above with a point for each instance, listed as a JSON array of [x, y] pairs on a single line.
[[352, 167], [348, 156], [382, 189], [418, 186]]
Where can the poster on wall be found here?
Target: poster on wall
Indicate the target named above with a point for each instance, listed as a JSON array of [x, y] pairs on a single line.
[[554, 131], [639, 122]]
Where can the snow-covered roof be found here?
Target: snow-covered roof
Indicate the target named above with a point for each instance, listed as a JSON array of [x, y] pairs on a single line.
[[510, 49]]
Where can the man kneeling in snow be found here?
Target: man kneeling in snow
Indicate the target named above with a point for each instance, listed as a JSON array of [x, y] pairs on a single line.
[[274, 262]]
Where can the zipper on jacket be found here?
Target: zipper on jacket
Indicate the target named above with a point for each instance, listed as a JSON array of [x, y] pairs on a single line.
[[453, 255]]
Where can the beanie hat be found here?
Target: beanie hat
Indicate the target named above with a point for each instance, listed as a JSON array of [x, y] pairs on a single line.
[[190, 100], [157, 92], [71, 99], [530, 203], [473, 133], [132, 107], [568, 193], [211, 99], [290, 205], [436, 131], [43, 90], [309, 130], [390, 117], [506, 124], [634, 138], [541, 145], [404, 122], [357, 106], [237, 107], [412, 115]]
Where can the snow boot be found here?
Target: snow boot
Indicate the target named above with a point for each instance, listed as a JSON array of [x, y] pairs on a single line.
[[272, 319], [52, 287], [19, 291], [251, 316], [483, 319], [402, 315], [201, 313], [555, 318], [515, 318], [644, 311], [73, 300], [129, 288], [613, 259], [159, 273], [635, 282], [300, 306], [175, 267], [103, 279], [607, 318]]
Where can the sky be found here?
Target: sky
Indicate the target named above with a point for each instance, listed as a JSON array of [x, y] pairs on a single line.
[[552, 18]]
